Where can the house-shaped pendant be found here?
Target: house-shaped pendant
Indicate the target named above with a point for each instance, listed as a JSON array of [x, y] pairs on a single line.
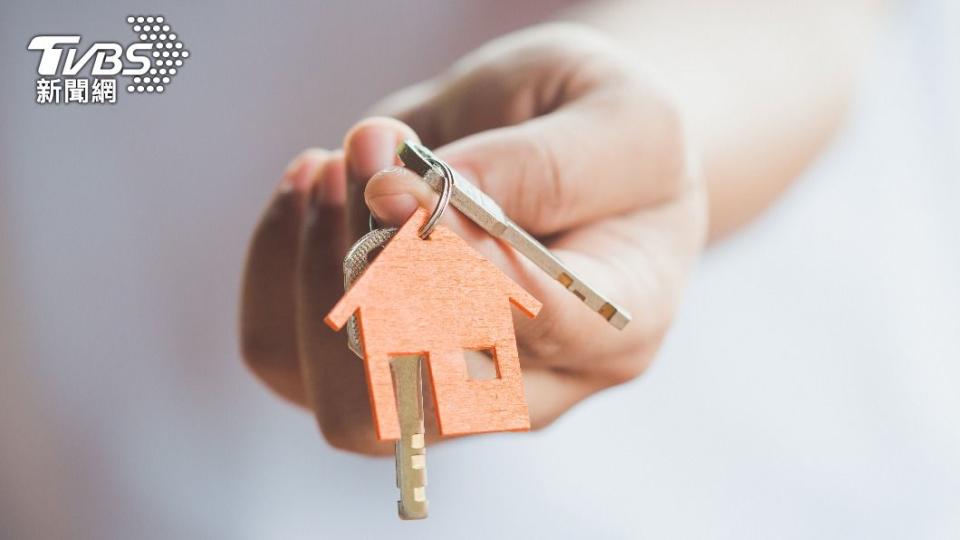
[[437, 298]]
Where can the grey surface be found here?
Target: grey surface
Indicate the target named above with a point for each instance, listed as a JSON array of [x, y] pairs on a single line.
[[808, 389]]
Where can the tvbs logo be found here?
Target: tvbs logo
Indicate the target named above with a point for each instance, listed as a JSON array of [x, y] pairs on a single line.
[[108, 57], [149, 64]]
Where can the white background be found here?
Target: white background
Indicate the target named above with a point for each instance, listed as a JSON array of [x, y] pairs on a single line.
[[808, 390]]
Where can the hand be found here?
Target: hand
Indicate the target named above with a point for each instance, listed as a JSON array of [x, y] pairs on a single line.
[[576, 145]]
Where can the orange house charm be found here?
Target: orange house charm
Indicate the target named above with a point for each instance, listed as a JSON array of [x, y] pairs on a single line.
[[438, 298]]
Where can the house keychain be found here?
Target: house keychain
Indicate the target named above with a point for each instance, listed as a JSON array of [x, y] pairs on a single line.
[[430, 295]]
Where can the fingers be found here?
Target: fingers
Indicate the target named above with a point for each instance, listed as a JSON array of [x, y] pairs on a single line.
[[370, 146], [292, 278], [554, 126], [267, 326], [647, 256], [417, 107], [509, 80], [333, 377], [392, 195], [608, 154]]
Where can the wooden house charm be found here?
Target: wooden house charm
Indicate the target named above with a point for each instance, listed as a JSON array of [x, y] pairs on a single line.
[[437, 298]]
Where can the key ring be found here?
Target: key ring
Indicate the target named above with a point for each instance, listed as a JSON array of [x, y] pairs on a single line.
[[446, 190], [354, 263], [443, 201]]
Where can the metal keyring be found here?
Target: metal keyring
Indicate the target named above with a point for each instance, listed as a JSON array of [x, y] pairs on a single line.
[[442, 202], [354, 263]]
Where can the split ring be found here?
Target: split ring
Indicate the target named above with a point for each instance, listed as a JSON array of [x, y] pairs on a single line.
[[443, 201]]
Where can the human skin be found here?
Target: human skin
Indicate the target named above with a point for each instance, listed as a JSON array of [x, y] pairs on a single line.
[[569, 131]]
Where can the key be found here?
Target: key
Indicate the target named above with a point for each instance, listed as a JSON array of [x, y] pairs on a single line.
[[399, 303], [406, 373], [486, 213], [410, 448]]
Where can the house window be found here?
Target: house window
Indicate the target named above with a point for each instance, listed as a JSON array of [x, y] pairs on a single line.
[[482, 364]]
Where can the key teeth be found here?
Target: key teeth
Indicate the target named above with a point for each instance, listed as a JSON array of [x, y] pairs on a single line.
[[410, 451], [417, 441]]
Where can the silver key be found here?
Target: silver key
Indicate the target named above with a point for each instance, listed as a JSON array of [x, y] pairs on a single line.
[[483, 211]]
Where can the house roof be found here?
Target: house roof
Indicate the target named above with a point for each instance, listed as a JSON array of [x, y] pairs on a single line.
[[419, 267]]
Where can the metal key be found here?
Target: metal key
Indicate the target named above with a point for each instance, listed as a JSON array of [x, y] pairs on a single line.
[[410, 449], [483, 211], [407, 372]]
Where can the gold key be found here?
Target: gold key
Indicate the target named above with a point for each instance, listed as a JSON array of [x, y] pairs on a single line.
[[411, 449], [407, 375]]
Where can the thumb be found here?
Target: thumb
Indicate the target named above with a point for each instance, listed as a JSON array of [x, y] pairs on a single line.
[[393, 195], [608, 154]]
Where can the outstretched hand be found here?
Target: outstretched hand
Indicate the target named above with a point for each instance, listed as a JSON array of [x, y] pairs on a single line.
[[576, 145]]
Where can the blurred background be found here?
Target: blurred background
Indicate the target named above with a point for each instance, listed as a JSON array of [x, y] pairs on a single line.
[[809, 388]]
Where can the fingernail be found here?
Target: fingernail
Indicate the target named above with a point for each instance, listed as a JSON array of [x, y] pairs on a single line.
[[392, 209], [377, 153]]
